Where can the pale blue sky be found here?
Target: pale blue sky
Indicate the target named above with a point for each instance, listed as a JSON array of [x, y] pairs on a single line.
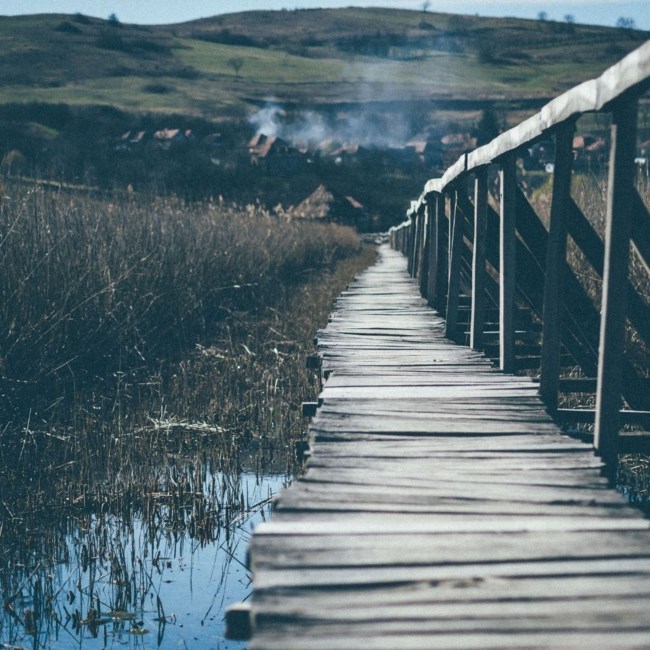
[[174, 11]]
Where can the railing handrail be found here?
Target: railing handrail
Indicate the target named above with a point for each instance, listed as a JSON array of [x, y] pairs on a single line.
[[435, 242], [588, 97]]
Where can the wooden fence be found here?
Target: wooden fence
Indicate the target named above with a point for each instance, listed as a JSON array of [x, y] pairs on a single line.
[[500, 272]]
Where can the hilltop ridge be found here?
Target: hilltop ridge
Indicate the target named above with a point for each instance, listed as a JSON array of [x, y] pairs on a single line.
[[317, 57], [369, 102]]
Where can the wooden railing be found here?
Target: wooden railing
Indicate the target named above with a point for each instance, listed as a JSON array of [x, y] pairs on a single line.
[[509, 273]]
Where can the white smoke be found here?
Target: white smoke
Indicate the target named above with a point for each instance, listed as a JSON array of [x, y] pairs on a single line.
[[361, 126], [268, 120]]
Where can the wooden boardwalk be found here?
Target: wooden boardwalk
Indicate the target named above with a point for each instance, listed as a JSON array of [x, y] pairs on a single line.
[[441, 507]]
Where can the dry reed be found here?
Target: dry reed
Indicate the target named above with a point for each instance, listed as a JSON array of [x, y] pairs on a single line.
[[151, 352], [138, 330]]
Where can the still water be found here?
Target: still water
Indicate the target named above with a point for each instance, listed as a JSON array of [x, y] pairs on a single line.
[[136, 581]]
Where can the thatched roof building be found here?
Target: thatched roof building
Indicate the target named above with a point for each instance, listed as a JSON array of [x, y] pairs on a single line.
[[328, 205]]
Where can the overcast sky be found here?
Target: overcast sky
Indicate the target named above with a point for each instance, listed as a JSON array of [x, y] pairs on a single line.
[[175, 11]]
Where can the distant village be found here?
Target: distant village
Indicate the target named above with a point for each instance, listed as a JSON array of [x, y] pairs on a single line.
[[275, 155]]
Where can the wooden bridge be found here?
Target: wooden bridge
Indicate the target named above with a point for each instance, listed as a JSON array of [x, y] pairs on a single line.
[[442, 506]]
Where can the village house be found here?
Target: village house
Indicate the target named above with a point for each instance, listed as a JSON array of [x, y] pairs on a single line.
[[131, 139], [166, 138], [213, 141], [345, 154], [274, 154], [429, 152], [325, 204], [454, 145], [589, 150], [540, 156]]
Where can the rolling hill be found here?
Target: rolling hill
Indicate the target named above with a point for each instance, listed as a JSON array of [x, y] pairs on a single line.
[[222, 66], [85, 100]]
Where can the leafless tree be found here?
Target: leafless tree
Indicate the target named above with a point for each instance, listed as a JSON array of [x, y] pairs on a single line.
[[236, 63], [625, 23]]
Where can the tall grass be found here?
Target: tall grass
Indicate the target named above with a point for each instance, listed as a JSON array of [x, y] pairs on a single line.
[[137, 331], [95, 290], [150, 353]]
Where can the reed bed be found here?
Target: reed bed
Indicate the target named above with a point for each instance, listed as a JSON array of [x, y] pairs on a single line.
[[152, 353], [143, 318], [96, 289], [146, 319]]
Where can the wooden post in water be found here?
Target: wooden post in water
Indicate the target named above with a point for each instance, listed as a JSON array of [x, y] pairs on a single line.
[[620, 193], [453, 282], [507, 262], [555, 266], [478, 258]]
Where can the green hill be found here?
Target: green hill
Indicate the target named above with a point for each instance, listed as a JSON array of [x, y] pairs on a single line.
[[223, 65], [86, 100]]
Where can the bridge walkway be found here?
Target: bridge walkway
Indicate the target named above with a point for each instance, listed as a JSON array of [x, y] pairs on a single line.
[[441, 506]]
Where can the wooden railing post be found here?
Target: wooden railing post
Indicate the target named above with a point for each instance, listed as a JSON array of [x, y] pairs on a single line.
[[507, 262], [478, 258], [417, 230], [620, 193], [410, 245], [555, 266], [433, 242], [420, 241], [453, 279], [442, 223], [424, 254]]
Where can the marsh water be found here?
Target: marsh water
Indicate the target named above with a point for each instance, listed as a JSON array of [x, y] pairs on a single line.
[[157, 575]]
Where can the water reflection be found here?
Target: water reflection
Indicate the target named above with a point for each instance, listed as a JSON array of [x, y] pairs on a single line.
[[158, 576]]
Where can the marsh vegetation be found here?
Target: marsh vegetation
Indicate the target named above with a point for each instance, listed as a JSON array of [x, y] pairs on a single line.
[[152, 367]]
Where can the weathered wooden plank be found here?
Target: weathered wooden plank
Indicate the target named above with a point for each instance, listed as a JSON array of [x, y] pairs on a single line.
[[331, 577], [579, 615], [419, 524], [430, 392], [366, 499], [389, 549], [283, 638], [596, 588]]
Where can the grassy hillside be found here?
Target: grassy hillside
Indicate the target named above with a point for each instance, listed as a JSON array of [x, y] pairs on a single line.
[[71, 85], [220, 66]]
